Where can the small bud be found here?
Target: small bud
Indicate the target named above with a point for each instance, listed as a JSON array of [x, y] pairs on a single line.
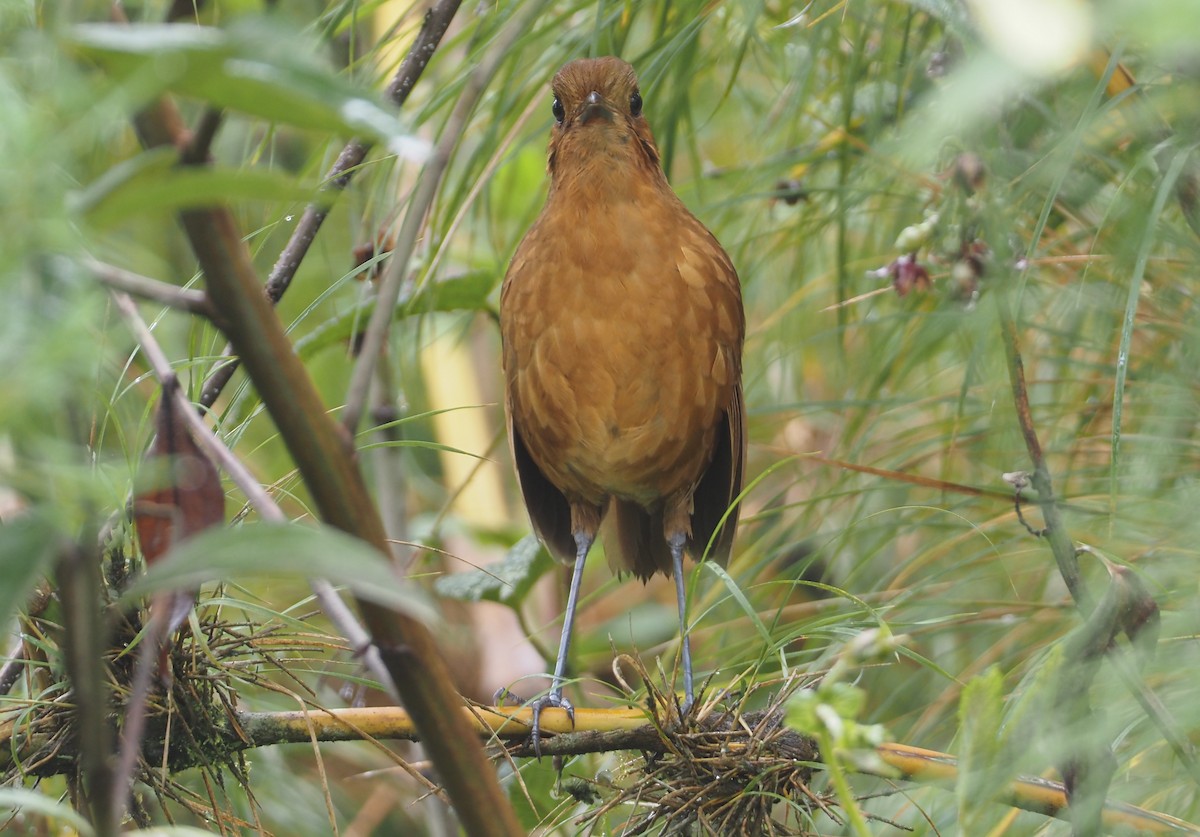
[[1019, 480], [908, 274], [916, 236], [969, 172], [790, 191]]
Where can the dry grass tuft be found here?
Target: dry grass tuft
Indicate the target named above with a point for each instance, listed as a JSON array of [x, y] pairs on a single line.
[[191, 720], [720, 772]]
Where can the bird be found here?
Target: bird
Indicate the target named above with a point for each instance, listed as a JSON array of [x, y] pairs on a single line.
[[622, 328]]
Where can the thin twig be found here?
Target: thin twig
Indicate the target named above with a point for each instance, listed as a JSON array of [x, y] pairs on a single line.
[[499, 154], [134, 726], [17, 658], [389, 467], [172, 296], [213, 447], [414, 218], [437, 21], [1127, 669], [1054, 532], [78, 582], [14, 664], [196, 152]]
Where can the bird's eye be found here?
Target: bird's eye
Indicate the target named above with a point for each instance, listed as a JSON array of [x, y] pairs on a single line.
[[635, 104], [557, 108]]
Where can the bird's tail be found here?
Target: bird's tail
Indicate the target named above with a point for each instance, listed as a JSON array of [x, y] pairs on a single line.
[[634, 540]]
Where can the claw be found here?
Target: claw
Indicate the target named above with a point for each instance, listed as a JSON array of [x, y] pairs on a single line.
[[553, 699]]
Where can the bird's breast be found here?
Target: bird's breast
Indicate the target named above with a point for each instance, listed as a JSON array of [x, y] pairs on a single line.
[[622, 339]]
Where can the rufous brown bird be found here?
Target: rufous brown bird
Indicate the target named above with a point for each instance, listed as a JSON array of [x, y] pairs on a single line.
[[622, 327]]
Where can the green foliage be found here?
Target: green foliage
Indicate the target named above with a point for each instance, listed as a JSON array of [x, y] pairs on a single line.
[[152, 183], [465, 292], [506, 582], [27, 546], [32, 802], [282, 552], [982, 770], [842, 153], [245, 69], [829, 713]]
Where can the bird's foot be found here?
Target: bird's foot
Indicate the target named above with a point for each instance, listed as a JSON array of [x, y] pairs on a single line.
[[553, 699]]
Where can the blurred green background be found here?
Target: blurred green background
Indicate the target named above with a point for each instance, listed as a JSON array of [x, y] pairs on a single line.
[[1035, 160]]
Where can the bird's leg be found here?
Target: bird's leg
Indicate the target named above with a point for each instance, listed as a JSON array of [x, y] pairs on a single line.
[[583, 543], [676, 542]]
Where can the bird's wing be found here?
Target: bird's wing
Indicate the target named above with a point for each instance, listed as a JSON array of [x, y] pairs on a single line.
[[548, 509], [720, 486]]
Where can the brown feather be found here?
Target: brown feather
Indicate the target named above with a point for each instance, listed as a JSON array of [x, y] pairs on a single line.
[[622, 326], [548, 509]]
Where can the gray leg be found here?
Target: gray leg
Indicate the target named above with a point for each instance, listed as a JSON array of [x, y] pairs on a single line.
[[676, 542], [583, 543]]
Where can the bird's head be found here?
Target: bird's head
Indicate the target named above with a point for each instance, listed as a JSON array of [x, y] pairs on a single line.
[[598, 119]]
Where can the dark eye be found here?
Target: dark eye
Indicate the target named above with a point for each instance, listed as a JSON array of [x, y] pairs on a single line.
[[635, 104], [557, 108]]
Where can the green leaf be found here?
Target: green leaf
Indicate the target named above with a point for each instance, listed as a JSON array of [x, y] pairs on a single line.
[[832, 708], [740, 597], [980, 775], [152, 183], [336, 331], [1165, 188], [507, 581], [245, 70], [801, 713], [287, 551], [533, 793], [28, 801], [464, 292], [1030, 735], [847, 700], [641, 625], [26, 548]]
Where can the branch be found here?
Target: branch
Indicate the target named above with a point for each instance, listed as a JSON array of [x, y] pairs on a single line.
[[327, 462], [1055, 532], [77, 577], [196, 152], [172, 296], [437, 21], [618, 730], [18, 655], [14, 663], [212, 446], [625, 728], [1029, 793]]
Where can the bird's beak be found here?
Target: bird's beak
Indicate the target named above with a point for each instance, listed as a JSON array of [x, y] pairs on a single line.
[[594, 106]]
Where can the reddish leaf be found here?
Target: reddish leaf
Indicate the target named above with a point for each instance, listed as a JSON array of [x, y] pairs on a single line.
[[187, 497]]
